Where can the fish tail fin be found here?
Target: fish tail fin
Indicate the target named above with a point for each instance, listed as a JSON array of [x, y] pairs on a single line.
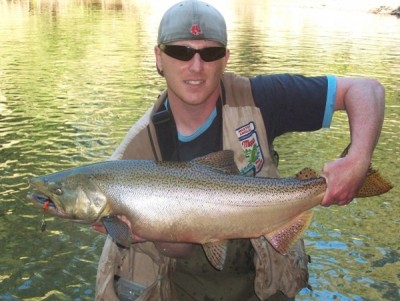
[[216, 253], [374, 184], [345, 151], [284, 237]]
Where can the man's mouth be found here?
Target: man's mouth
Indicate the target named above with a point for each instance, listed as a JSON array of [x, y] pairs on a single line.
[[194, 82]]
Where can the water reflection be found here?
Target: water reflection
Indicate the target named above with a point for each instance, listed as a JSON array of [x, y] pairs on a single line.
[[74, 75]]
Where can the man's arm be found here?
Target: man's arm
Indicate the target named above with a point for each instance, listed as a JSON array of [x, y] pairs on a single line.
[[364, 101]]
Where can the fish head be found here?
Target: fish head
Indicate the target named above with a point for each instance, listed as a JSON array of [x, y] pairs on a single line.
[[69, 194]]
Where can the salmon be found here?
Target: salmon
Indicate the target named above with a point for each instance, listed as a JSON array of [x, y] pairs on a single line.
[[205, 201]]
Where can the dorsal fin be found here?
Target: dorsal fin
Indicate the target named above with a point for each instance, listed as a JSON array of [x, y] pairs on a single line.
[[222, 161], [307, 174]]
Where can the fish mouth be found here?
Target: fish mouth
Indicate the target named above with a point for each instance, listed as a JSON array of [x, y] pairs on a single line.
[[46, 203], [49, 206]]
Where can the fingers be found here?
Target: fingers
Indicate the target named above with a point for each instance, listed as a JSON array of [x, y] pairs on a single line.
[[343, 177], [98, 227], [135, 237], [338, 202], [337, 195]]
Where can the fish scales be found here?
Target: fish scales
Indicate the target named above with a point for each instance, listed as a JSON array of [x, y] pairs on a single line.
[[190, 200], [202, 201]]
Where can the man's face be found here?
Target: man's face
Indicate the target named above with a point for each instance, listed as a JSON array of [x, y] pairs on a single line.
[[192, 82]]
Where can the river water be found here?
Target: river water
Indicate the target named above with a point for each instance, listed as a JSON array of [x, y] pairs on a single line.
[[74, 76]]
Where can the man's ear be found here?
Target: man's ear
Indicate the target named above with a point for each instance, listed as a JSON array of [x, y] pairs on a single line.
[[157, 53]]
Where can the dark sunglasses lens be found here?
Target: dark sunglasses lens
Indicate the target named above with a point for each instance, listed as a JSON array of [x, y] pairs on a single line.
[[184, 53], [212, 53]]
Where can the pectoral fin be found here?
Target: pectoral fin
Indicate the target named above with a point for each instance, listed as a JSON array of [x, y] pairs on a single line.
[[118, 230], [216, 253], [283, 238]]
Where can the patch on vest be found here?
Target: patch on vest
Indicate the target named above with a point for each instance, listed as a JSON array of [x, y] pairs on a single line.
[[248, 139]]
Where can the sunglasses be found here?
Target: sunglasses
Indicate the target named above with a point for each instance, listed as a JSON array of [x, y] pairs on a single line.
[[184, 53]]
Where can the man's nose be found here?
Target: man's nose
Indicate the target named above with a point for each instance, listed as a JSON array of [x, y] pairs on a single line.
[[196, 63]]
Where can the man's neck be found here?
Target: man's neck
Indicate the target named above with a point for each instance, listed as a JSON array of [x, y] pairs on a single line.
[[188, 118]]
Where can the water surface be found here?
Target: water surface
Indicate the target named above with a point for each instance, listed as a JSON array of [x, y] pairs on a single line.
[[75, 75]]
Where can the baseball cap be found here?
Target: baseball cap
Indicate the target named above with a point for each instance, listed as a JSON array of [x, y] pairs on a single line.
[[192, 20]]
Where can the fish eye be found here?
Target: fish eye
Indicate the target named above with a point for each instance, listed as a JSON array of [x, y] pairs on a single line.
[[58, 191]]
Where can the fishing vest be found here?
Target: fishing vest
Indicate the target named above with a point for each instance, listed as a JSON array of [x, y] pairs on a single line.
[[243, 131]]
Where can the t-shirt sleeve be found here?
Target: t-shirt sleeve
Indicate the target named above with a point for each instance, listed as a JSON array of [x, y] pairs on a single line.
[[294, 103]]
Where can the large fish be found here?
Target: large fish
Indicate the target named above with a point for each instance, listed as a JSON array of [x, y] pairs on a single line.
[[204, 201]]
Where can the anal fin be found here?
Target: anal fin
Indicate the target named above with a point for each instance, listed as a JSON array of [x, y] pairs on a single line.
[[216, 253], [283, 238]]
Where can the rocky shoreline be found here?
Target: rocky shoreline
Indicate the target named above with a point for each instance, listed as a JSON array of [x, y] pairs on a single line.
[[386, 10]]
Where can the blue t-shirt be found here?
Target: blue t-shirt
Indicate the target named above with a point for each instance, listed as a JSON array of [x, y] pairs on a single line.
[[287, 102], [294, 103]]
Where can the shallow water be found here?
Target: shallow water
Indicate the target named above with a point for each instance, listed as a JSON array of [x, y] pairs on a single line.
[[74, 76]]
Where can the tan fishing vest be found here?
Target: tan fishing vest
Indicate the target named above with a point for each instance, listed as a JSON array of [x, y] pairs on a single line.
[[244, 132]]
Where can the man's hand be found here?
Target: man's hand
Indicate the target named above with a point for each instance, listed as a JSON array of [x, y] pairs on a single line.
[[344, 178]]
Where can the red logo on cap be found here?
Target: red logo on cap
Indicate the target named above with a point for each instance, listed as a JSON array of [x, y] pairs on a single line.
[[195, 30]]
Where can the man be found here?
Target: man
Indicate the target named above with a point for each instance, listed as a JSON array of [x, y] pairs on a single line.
[[204, 110]]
